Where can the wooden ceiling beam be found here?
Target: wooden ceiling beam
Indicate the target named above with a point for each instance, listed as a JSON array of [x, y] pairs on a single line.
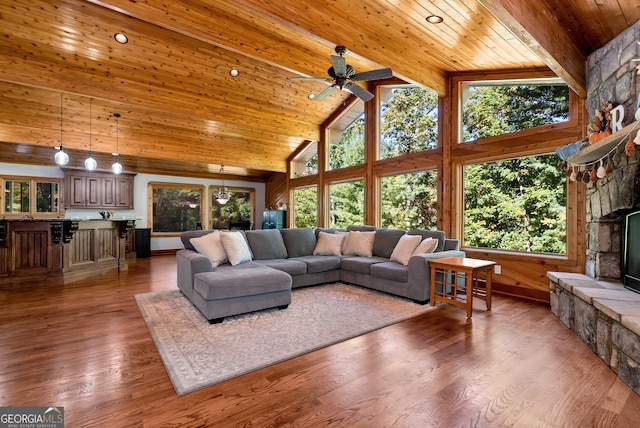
[[532, 23]]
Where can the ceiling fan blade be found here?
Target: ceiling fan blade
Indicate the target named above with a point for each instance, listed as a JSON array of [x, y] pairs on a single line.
[[322, 95], [339, 65], [383, 73], [359, 92], [325, 79]]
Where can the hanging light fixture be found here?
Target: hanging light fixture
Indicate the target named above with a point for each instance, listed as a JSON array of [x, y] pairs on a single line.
[[223, 193], [61, 158], [116, 168], [90, 163]]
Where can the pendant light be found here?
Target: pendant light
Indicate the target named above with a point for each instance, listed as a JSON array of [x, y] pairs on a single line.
[[116, 168], [223, 193], [61, 158], [90, 163]]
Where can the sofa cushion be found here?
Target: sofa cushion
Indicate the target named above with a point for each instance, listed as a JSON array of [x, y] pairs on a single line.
[[316, 264], [234, 282], [437, 234], [299, 241], [266, 244], [329, 244], [186, 236], [211, 246], [391, 271], [236, 247], [360, 264], [359, 243], [404, 249], [385, 242], [290, 266], [428, 245]]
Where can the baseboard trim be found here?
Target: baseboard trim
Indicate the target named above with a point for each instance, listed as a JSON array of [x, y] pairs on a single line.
[[164, 252]]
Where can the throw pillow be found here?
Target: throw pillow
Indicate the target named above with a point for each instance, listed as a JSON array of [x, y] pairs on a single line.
[[329, 244], [404, 249], [359, 243], [428, 245], [210, 245], [236, 247]]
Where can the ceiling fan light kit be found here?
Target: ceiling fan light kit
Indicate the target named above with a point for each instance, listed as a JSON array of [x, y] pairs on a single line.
[[343, 76]]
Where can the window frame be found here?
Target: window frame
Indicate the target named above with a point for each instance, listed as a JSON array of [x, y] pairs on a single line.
[[162, 185], [213, 189], [33, 197]]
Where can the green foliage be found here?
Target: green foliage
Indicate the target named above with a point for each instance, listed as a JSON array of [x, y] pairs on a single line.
[[408, 122], [497, 110], [349, 151], [346, 204], [409, 201], [175, 210], [305, 203], [237, 208], [516, 204]]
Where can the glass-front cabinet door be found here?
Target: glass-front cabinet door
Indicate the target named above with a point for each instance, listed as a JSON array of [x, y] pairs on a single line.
[[17, 197], [30, 196]]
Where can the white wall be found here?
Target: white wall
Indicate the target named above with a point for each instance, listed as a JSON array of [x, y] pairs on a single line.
[[140, 199]]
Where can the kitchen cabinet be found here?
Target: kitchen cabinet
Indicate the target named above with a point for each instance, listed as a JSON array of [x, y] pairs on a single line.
[[85, 189]]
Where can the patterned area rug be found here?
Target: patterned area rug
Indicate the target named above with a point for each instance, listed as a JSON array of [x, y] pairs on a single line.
[[197, 354]]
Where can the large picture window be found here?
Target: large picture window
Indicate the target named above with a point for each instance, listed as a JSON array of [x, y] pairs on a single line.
[[492, 108], [410, 201], [175, 208], [238, 210], [408, 120], [305, 206], [516, 204], [346, 204]]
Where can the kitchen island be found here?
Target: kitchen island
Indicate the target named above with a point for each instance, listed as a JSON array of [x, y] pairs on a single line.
[[59, 251]]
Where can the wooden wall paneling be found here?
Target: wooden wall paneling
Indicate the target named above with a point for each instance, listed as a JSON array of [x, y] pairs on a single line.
[[4, 262], [93, 250], [30, 249], [106, 247], [82, 247]]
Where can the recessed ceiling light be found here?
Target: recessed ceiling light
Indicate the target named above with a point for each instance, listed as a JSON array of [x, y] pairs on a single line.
[[121, 38], [434, 19], [234, 72], [311, 96]]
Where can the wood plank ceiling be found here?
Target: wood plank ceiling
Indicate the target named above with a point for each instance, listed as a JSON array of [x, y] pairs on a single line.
[[182, 113]]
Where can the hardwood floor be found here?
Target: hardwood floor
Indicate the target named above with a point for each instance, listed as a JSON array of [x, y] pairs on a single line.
[[85, 346]]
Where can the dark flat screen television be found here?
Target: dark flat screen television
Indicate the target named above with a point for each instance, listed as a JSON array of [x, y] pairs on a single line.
[[632, 252]]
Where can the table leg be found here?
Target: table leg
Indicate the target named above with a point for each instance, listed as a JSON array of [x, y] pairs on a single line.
[[488, 293], [469, 281]]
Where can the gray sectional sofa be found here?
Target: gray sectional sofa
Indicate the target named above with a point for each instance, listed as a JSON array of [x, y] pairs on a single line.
[[281, 260]]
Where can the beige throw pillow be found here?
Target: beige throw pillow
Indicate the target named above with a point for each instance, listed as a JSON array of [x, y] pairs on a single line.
[[429, 245], [329, 244], [236, 247], [359, 243], [210, 245], [404, 249]]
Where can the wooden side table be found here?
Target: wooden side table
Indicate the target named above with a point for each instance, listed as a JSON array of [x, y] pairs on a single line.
[[454, 280]]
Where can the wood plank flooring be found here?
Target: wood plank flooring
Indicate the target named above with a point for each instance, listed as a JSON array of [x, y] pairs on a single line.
[[85, 346]]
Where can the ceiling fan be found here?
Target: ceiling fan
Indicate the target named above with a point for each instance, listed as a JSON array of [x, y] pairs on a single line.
[[343, 76]]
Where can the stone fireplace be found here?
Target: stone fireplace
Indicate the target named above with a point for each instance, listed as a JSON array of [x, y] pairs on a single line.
[[612, 76], [595, 305]]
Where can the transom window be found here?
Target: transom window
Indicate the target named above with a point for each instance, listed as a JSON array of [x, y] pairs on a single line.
[[408, 120], [346, 138], [492, 108]]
